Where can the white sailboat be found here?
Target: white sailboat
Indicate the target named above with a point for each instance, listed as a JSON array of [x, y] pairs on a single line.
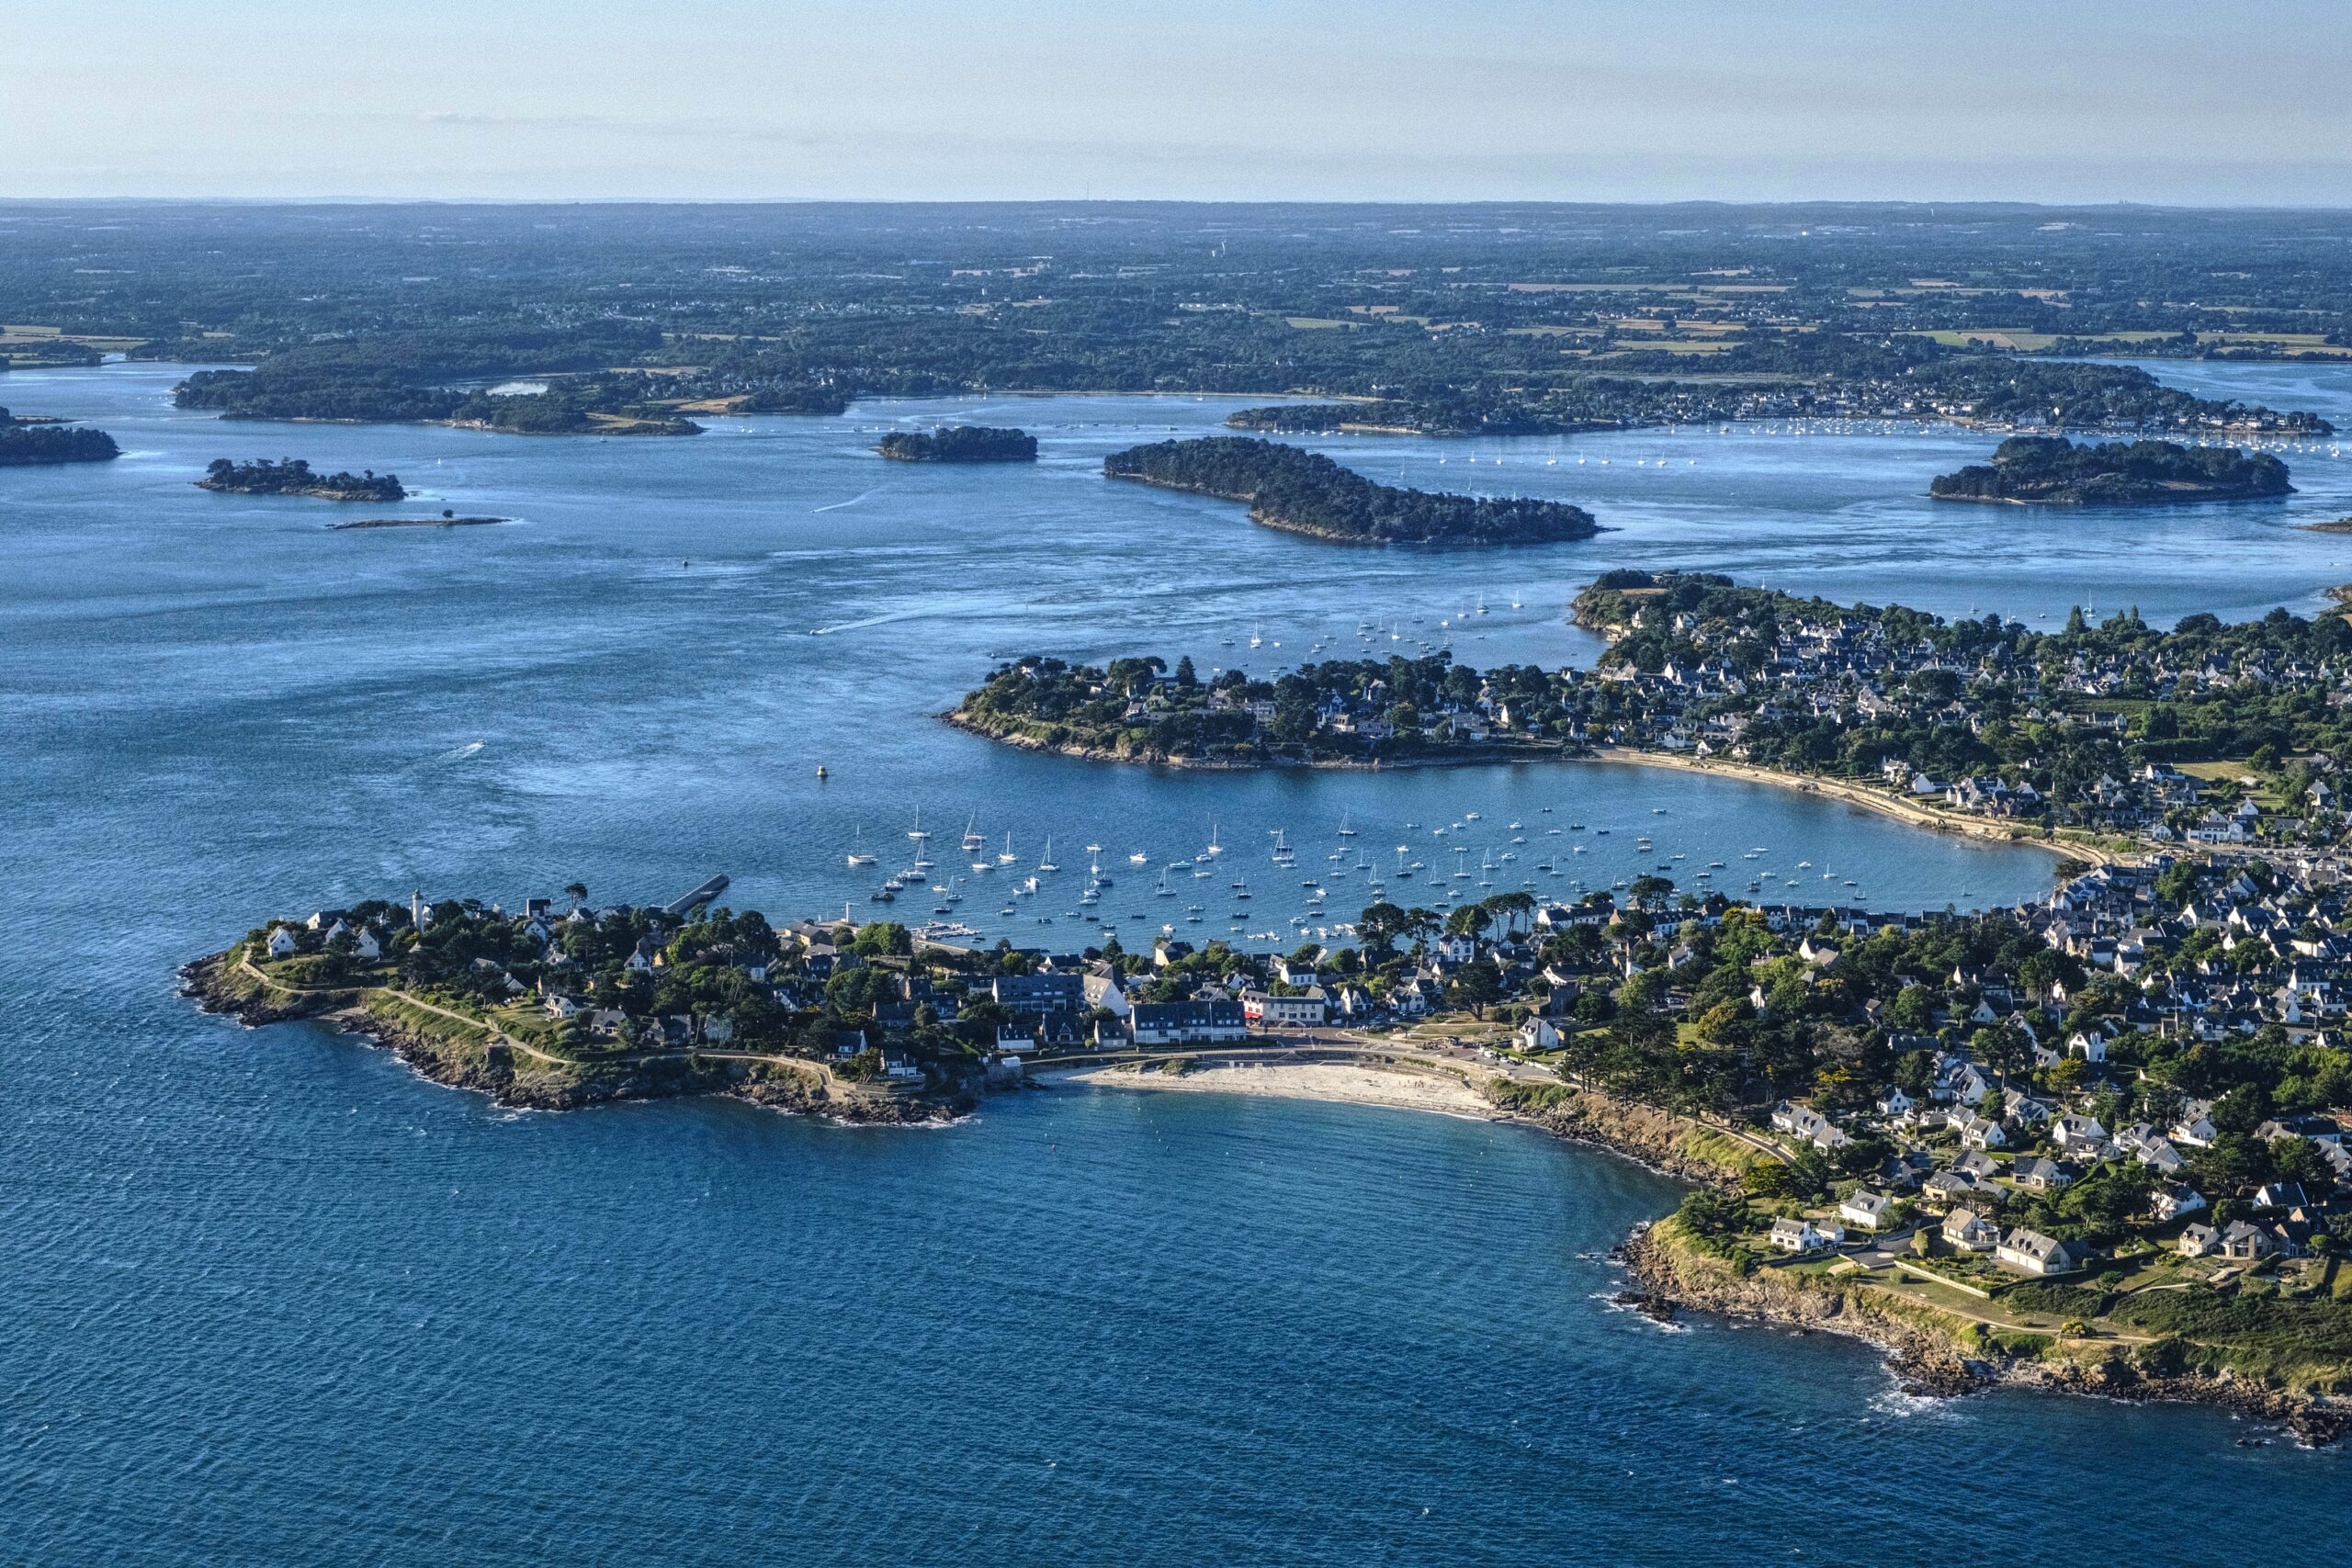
[[857, 855], [973, 840], [1048, 864], [1004, 855]]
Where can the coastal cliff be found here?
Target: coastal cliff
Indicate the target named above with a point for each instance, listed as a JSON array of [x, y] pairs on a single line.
[[1937, 1352], [1933, 1350]]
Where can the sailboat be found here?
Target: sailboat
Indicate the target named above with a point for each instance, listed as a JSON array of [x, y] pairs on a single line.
[[1345, 831], [973, 838], [857, 855], [1215, 848], [1004, 855], [1048, 864], [1257, 636], [917, 832]]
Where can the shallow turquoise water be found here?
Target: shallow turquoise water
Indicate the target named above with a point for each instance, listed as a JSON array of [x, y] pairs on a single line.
[[265, 1297]]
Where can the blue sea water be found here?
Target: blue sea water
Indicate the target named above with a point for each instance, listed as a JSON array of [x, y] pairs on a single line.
[[265, 1297]]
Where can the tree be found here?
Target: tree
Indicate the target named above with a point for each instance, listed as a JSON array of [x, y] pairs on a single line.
[[1379, 927], [577, 892], [1476, 985], [1185, 677]]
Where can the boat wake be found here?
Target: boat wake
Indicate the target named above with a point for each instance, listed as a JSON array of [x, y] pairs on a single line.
[[868, 621], [836, 506]]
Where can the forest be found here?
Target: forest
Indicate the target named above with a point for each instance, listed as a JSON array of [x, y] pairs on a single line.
[[294, 476], [960, 444], [1306, 492], [22, 445], [2053, 469]]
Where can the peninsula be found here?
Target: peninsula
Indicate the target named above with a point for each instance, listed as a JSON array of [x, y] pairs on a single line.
[[2103, 739], [2095, 1143], [2052, 470], [1305, 492], [960, 444], [294, 476]]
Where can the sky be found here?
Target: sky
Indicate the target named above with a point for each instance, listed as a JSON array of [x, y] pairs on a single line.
[[2215, 103]]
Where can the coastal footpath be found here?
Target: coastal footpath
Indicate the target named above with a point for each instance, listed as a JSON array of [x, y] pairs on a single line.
[[1945, 1338], [2094, 1141], [464, 1050]]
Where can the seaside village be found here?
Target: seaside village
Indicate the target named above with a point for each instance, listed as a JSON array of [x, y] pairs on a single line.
[[2149, 1060], [2081, 730], [1759, 683]]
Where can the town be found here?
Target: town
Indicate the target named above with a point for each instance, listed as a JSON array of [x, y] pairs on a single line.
[[2114, 735], [2150, 1054]]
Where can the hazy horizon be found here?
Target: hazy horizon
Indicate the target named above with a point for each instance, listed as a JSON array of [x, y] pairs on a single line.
[[2064, 104]]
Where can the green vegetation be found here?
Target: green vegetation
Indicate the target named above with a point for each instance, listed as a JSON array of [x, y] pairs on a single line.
[[960, 444], [2052, 469], [1346, 710], [293, 476], [1306, 492], [25, 444], [2260, 690]]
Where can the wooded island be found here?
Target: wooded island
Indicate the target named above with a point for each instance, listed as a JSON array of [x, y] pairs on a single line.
[[1306, 492]]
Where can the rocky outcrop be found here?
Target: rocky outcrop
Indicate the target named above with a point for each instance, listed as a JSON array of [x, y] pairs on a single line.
[[219, 985], [1936, 1354], [1659, 1139]]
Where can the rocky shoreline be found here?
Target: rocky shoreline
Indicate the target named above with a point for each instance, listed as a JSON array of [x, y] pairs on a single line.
[[1927, 1359], [1930, 1362], [209, 982], [956, 718]]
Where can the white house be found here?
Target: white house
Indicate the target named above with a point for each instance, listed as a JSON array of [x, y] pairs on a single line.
[[2030, 1252], [1805, 1235], [1276, 1012], [1103, 991], [281, 943], [1866, 1211], [1970, 1231]]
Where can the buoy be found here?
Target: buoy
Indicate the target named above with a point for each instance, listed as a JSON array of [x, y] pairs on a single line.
[[821, 769]]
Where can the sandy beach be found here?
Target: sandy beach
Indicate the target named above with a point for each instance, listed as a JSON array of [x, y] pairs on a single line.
[[1343, 1081], [1865, 798]]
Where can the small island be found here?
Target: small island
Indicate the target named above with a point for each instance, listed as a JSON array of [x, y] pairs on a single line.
[[2052, 470], [1305, 492], [26, 442], [960, 444], [293, 476]]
